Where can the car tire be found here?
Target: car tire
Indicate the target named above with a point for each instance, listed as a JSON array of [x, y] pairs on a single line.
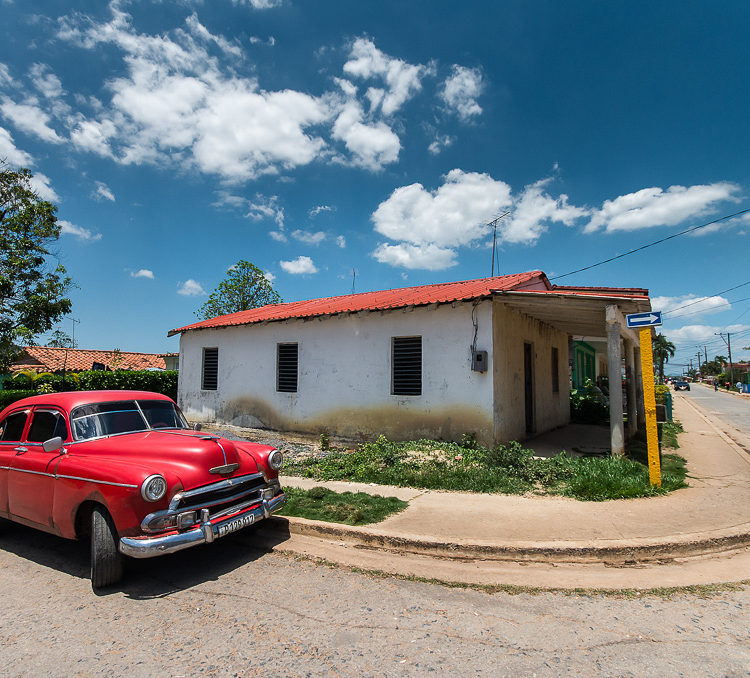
[[106, 559]]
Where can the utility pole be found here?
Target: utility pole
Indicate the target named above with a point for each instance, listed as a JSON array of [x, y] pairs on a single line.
[[728, 342], [699, 364], [493, 223], [705, 354]]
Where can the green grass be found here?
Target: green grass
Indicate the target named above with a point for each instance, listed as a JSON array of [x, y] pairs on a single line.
[[506, 469], [349, 508]]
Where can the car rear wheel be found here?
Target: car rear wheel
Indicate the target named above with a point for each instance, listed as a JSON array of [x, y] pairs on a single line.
[[106, 560]]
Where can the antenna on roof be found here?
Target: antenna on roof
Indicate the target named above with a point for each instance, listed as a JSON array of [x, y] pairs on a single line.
[[354, 278], [493, 223]]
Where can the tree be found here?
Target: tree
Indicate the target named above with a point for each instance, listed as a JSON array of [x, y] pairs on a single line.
[[32, 286], [663, 350], [60, 339], [245, 286]]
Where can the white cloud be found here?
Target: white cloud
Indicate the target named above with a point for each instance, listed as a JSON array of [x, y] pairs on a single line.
[[5, 78], [103, 192], [439, 143], [315, 211], [9, 152], [258, 4], [78, 231], [698, 334], [657, 207], [341, 241], [191, 288], [461, 90], [403, 80], [373, 145], [308, 237], [429, 257], [697, 305], [40, 184], [46, 82], [269, 42], [175, 103], [30, 118], [269, 276], [299, 266], [278, 236], [457, 214], [142, 273]]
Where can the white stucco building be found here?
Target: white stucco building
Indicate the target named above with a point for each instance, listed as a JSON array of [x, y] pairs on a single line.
[[488, 357]]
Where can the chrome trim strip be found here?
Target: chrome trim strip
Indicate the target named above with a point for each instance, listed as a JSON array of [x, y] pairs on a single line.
[[34, 473], [223, 451], [206, 532], [220, 470], [220, 485], [99, 482]]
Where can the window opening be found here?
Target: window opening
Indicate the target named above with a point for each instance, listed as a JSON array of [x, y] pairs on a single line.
[[210, 379], [407, 366], [555, 371], [287, 367]]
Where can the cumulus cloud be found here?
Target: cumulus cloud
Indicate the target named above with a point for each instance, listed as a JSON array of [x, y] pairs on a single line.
[[431, 225], [103, 192], [190, 288], [176, 103], [691, 303], [402, 80], [40, 184], [315, 211], [29, 117], [341, 241], [308, 237], [45, 81], [461, 90], [299, 266], [278, 236], [142, 273], [698, 334], [657, 207], [13, 155], [372, 144], [258, 4], [439, 143], [79, 232]]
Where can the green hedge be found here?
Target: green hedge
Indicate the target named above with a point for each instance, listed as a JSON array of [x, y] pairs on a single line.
[[8, 397], [160, 381]]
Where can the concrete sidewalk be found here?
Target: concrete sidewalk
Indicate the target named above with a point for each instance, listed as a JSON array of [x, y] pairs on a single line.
[[485, 536]]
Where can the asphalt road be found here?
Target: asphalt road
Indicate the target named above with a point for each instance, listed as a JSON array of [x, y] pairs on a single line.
[[229, 609], [732, 410]]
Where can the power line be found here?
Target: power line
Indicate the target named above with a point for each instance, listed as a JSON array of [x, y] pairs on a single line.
[[698, 301], [728, 304], [651, 244]]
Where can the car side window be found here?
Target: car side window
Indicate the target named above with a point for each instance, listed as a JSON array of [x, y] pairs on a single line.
[[11, 428], [47, 424]]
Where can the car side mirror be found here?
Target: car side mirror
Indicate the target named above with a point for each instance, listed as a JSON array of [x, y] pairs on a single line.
[[197, 426], [52, 445]]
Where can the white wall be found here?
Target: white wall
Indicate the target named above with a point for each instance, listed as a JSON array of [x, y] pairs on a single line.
[[344, 381]]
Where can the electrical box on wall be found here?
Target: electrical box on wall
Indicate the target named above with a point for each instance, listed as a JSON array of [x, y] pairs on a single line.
[[479, 361]]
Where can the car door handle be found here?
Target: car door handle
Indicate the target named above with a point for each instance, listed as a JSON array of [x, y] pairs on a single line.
[[21, 450]]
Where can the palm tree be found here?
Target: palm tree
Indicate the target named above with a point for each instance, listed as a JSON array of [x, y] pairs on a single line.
[[663, 350]]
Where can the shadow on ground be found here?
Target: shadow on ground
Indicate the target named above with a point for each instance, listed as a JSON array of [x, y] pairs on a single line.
[[152, 577]]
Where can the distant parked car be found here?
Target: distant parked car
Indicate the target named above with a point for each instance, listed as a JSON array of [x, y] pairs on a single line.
[[124, 469], [681, 385]]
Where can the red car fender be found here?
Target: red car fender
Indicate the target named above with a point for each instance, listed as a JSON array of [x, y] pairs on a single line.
[[115, 485]]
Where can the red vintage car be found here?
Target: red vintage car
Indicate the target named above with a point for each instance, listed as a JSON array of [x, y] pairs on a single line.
[[124, 469]]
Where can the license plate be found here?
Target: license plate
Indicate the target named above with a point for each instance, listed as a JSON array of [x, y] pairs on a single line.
[[236, 524]]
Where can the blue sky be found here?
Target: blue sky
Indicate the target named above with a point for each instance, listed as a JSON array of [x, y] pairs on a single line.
[[315, 139]]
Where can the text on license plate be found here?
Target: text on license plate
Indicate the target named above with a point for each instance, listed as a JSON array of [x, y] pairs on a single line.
[[236, 524]]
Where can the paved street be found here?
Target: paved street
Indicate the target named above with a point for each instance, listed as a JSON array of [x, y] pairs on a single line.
[[732, 410], [228, 610]]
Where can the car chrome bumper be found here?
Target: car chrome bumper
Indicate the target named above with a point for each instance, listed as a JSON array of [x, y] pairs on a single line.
[[206, 532]]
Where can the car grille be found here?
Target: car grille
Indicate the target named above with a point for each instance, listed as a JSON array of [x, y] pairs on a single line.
[[223, 497]]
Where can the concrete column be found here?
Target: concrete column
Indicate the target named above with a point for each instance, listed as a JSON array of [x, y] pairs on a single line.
[[630, 369], [614, 362], [639, 387]]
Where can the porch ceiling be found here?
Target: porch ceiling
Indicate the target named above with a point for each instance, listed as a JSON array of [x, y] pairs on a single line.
[[573, 314]]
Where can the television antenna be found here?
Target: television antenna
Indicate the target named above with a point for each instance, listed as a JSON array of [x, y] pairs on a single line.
[[493, 223]]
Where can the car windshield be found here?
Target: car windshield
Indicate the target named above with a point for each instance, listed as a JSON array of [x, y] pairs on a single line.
[[124, 416]]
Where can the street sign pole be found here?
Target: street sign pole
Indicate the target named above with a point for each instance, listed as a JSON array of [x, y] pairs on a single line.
[[649, 405]]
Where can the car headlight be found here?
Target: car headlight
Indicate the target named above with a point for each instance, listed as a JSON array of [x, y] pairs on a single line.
[[154, 488], [275, 459]]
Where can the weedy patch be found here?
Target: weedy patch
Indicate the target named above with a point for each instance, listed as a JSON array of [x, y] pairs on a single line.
[[320, 503]]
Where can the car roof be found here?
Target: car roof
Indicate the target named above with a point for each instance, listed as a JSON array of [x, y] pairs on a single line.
[[69, 400]]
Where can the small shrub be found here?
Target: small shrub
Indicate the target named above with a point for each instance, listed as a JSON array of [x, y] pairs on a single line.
[[325, 441], [320, 503], [588, 405], [8, 397]]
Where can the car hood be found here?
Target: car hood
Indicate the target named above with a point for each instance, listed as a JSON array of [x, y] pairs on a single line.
[[188, 454]]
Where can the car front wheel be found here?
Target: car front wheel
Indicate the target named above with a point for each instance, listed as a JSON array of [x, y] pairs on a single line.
[[106, 560]]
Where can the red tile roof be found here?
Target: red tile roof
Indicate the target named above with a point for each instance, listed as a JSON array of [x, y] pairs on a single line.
[[406, 296], [48, 359]]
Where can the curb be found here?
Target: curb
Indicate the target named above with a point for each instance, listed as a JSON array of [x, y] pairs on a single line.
[[612, 552]]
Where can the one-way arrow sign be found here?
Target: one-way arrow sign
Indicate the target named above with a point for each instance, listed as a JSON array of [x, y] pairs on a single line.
[[649, 319]]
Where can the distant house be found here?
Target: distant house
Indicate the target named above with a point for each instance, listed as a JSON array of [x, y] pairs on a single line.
[[48, 359], [491, 356]]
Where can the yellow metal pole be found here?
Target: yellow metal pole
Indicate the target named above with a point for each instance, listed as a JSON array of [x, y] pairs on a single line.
[[649, 405]]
